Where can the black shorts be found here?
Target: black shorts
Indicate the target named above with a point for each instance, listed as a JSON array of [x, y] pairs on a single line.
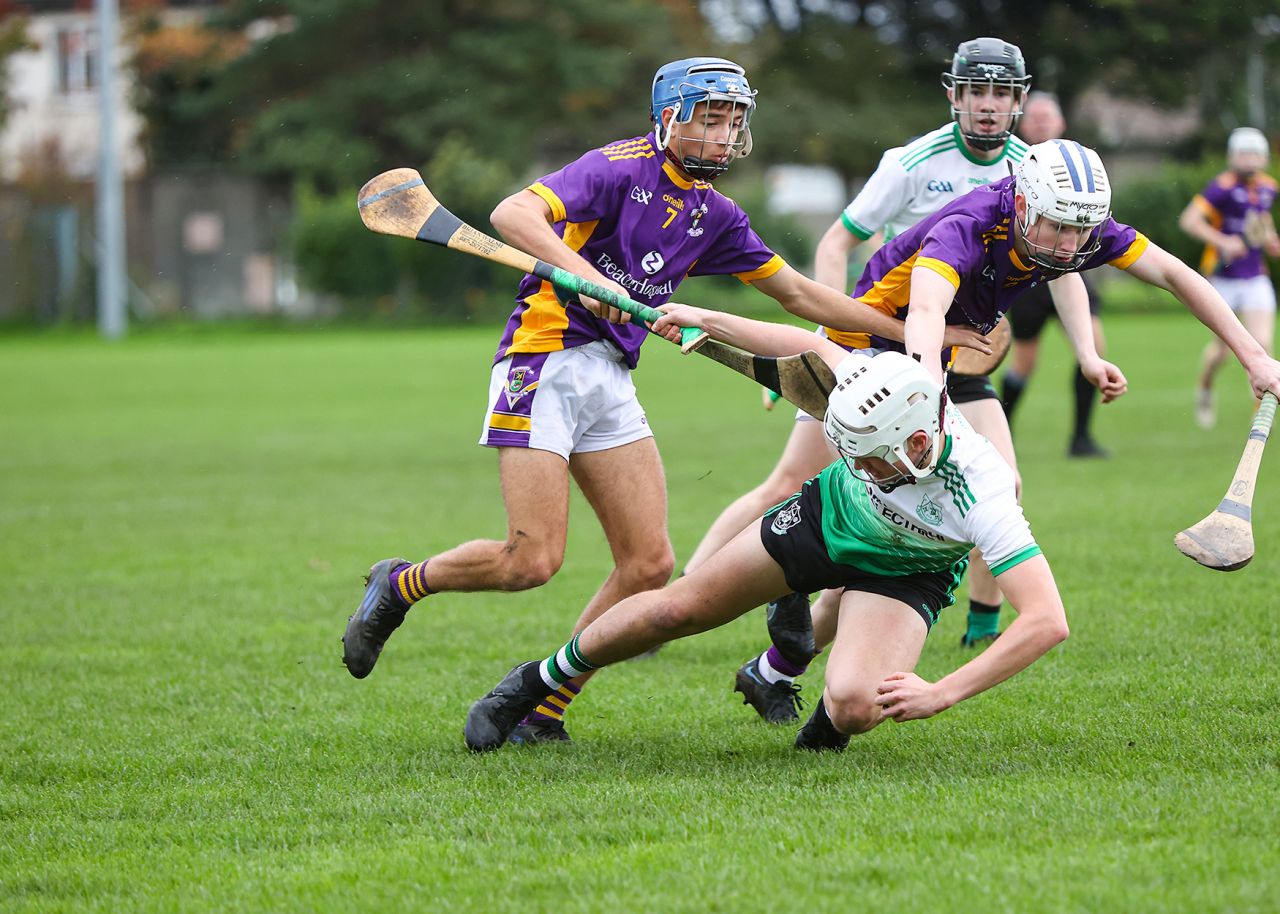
[[1034, 307], [792, 535], [967, 388]]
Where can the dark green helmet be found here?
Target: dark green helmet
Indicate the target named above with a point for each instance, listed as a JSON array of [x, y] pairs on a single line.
[[988, 61]]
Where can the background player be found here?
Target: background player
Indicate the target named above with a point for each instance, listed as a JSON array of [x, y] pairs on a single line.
[[1232, 216], [637, 216], [1042, 120]]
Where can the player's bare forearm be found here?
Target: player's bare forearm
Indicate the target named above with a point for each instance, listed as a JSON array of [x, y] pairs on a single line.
[[931, 295], [1041, 624], [823, 305], [1071, 301], [758, 337], [1160, 268], [524, 221]]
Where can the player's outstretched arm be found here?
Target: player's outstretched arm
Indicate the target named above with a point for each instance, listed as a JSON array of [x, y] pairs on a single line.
[[813, 301], [1041, 623], [758, 337], [1071, 301], [823, 305], [1160, 268]]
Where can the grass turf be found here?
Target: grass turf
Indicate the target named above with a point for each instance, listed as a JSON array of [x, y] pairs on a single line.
[[184, 524]]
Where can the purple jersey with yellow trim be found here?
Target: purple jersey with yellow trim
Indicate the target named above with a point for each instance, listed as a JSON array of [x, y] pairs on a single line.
[[967, 242], [630, 212], [1236, 207]]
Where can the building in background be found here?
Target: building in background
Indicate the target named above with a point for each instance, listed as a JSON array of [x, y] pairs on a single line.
[[200, 243]]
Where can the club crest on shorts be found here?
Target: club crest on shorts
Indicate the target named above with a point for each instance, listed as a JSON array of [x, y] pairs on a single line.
[[787, 518], [929, 512], [520, 381]]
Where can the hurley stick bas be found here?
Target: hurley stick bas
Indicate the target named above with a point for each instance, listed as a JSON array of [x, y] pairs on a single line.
[[1224, 539], [398, 202]]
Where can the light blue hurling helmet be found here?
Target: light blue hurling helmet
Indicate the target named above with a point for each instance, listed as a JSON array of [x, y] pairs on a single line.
[[682, 84]]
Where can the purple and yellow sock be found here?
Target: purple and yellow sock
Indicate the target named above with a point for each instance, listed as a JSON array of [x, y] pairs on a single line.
[[409, 582], [554, 706]]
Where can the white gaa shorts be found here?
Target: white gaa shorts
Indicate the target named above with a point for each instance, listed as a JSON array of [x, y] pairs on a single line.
[[1253, 294], [573, 401]]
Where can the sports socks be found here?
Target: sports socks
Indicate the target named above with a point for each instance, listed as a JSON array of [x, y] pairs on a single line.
[[984, 621], [565, 664], [554, 705], [774, 667], [1011, 389], [409, 582], [1086, 396]]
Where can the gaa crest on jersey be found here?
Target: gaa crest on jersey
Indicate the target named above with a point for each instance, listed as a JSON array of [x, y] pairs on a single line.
[[520, 381], [929, 511], [786, 518]]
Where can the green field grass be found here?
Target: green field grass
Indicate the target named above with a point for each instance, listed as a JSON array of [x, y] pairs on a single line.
[[184, 520]]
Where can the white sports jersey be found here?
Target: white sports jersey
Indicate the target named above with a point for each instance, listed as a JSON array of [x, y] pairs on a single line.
[[967, 501], [918, 179]]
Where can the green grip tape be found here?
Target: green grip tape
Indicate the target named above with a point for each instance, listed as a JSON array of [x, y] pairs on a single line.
[[579, 286], [1265, 415]]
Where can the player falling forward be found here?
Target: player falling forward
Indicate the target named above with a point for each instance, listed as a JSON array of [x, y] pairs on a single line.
[[1232, 216], [637, 216], [1042, 120], [985, 87], [968, 264], [891, 523]]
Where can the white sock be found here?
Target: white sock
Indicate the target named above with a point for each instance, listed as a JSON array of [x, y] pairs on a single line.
[[768, 673]]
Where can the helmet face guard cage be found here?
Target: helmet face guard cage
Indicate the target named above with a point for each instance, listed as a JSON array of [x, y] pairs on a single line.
[[727, 103], [1052, 258], [989, 63], [1064, 184]]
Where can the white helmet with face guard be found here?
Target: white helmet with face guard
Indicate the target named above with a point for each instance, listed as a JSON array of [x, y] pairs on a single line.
[[877, 405], [1065, 183]]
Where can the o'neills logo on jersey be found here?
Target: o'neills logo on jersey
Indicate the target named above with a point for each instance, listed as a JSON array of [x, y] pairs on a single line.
[[634, 284]]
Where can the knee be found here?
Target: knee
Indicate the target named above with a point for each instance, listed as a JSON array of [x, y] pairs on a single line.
[[674, 617], [852, 711], [528, 568], [649, 570], [780, 486]]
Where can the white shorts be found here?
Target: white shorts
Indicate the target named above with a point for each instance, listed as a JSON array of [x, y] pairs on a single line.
[[1253, 294], [572, 401]]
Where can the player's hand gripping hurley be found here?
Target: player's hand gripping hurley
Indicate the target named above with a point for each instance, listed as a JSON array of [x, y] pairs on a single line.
[[398, 202], [1224, 539]]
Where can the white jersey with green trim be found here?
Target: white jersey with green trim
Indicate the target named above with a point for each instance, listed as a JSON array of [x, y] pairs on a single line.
[[916, 180], [928, 526]]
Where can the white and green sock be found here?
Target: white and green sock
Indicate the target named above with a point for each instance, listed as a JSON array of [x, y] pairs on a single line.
[[565, 664]]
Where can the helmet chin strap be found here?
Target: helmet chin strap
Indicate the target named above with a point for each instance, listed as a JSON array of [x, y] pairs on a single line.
[[703, 169]]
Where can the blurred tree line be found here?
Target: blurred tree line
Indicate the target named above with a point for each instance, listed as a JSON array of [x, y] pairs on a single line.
[[482, 98]]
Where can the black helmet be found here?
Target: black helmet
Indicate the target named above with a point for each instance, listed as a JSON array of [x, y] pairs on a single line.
[[984, 61]]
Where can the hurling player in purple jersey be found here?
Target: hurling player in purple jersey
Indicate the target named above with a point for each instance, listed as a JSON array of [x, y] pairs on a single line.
[[1232, 216], [637, 216], [1042, 120], [967, 263]]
